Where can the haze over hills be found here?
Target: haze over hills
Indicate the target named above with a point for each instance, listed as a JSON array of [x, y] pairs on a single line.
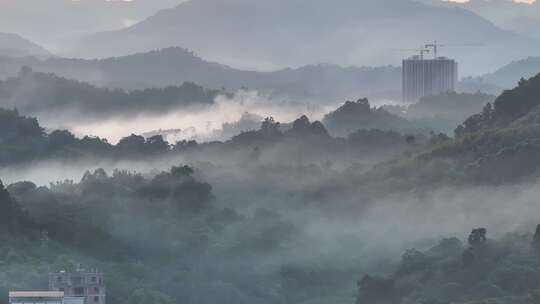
[[69, 100], [316, 83], [503, 78], [73, 19], [323, 83], [523, 18], [508, 75], [173, 66], [244, 33], [15, 46]]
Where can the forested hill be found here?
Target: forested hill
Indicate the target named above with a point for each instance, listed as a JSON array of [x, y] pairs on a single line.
[[173, 66], [24, 141], [498, 145], [44, 228], [13, 221], [442, 112], [34, 93], [352, 116], [483, 269]]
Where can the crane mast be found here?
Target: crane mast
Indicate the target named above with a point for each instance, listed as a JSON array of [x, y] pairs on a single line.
[[435, 46]]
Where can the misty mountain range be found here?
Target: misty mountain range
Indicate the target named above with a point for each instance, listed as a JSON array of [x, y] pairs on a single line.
[[317, 32], [325, 83], [283, 33], [173, 66], [330, 38]]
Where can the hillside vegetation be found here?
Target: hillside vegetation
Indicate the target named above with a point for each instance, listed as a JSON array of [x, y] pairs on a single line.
[[443, 112], [35, 93], [481, 270]]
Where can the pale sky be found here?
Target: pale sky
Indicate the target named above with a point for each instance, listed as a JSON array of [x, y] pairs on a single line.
[[522, 1]]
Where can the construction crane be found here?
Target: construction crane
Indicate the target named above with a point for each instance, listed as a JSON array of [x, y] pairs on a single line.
[[435, 46], [422, 51]]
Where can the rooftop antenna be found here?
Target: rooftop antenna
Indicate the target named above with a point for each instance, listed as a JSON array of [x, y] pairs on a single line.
[[434, 46]]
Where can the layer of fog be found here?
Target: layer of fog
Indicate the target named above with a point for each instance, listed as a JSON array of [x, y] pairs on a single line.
[[193, 123], [334, 231], [386, 224], [390, 224], [366, 237]]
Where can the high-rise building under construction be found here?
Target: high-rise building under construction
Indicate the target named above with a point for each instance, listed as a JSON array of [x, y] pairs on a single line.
[[424, 77]]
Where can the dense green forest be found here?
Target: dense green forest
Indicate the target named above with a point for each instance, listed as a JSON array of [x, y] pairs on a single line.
[[496, 146], [165, 238], [352, 116], [124, 223], [480, 271], [285, 213]]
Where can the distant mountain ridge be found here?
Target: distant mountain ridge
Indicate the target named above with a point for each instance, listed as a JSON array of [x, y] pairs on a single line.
[[13, 45], [503, 78], [56, 24], [246, 34], [521, 17], [509, 75], [173, 66], [320, 83]]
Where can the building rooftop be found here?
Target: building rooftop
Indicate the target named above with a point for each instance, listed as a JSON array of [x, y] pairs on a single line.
[[417, 57], [36, 294]]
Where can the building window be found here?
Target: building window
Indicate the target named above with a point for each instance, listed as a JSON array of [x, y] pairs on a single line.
[[61, 289], [96, 299], [94, 279], [96, 290], [59, 279], [79, 291], [77, 280]]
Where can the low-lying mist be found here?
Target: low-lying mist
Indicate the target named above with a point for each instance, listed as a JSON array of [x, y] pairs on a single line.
[[197, 123], [389, 222], [274, 223]]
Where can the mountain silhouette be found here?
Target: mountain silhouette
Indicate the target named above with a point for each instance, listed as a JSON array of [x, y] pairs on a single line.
[[273, 34]]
